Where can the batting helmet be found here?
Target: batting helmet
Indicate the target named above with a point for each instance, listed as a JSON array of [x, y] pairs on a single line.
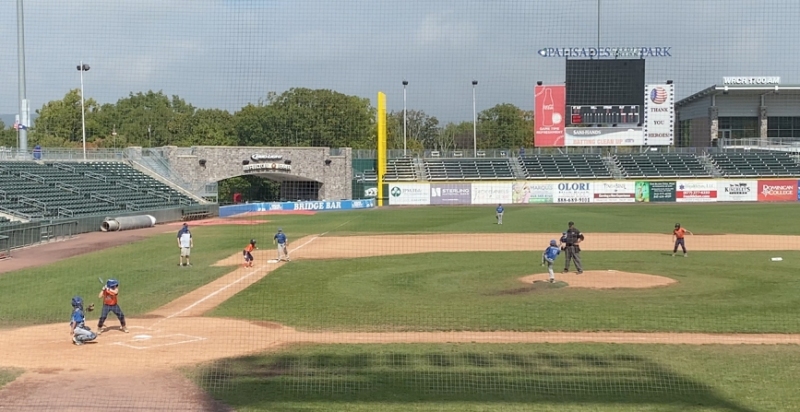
[[77, 302], [112, 283], [252, 241], [553, 242], [677, 225]]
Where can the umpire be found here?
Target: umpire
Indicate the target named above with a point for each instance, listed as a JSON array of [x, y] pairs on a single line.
[[571, 246]]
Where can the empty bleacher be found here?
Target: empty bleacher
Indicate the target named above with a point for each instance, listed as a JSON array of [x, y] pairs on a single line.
[[756, 164], [401, 169], [45, 191], [468, 169], [564, 166], [667, 165]]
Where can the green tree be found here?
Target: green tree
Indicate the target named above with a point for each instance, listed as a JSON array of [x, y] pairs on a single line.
[[422, 130], [60, 121], [505, 126], [150, 119]]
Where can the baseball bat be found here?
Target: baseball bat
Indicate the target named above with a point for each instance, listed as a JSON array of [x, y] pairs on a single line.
[[102, 282]]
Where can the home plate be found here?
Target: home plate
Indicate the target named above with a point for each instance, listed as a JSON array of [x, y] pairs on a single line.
[[142, 337]]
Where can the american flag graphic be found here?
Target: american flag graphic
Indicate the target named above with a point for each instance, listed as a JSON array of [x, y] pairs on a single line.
[[658, 95]]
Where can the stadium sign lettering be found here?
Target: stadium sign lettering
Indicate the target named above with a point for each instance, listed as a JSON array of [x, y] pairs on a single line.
[[769, 190], [260, 157], [606, 52], [764, 80], [317, 205], [573, 186], [267, 167]]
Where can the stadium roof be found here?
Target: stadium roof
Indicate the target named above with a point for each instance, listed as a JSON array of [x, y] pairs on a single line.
[[740, 90]]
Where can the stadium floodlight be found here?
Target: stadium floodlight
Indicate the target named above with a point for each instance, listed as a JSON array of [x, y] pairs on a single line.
[[474, 122], [669, 81], [405, 83], [83, 68]]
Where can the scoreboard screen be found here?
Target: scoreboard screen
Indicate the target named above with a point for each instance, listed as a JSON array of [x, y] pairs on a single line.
[[605, 91]]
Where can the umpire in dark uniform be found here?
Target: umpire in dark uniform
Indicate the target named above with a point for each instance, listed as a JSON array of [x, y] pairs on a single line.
[[571, 246]]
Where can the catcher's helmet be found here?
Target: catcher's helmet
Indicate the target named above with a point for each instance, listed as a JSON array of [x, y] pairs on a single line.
[[252, 241], [553, 242], [112, 283], [77, 302]]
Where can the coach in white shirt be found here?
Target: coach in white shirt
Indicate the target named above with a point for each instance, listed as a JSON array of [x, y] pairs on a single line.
[[185, 243]]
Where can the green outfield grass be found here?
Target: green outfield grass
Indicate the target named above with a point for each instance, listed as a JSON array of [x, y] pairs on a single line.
[[716, 292], [500, 377], [8, 375]]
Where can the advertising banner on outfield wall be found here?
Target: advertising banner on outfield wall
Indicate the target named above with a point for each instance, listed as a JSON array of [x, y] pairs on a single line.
[[777, 190], [696, 191], [654, 191], [409, 194], [532, 192], [451, 194], [573, 192], [614, 192], [491, 193], [737, 190]]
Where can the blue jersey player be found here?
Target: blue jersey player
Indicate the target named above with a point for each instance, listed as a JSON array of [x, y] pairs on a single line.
[[77, 325], [550, 254], [283, 245], [499, 214]]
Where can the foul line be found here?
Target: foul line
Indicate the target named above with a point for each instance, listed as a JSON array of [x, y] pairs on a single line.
[[222, 289]]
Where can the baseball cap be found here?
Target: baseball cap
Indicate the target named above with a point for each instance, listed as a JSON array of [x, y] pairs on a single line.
[[280, 230], [571, 223]]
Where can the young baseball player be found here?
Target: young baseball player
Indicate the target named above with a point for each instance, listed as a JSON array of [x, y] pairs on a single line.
[[678, 234], [283, 244], [550, 254], [77, 326], [498, 214], [248, 253], [109, 294]]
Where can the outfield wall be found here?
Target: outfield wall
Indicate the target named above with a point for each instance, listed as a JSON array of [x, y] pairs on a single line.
[[313, 206], [591, 191]]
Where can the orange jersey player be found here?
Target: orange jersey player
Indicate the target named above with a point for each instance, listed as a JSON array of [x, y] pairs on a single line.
[[109, 294], [248, 253], [678, 235]]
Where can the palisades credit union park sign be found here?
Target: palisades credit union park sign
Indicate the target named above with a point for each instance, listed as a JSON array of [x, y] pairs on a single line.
[[606, 52]]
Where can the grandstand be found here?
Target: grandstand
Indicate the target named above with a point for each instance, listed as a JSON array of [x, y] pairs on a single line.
[[402, 169], [32, 190], [564, 166], [468, 169], [756, 164], [666, 165]]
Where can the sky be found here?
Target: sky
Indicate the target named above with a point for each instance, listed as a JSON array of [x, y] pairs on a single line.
[[228, 53]]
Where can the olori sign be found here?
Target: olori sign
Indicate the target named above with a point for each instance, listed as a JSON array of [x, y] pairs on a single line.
[[777, 190], [573, 192]]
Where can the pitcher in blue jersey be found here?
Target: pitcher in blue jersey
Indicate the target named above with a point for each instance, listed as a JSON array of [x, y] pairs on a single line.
[[499, 214], [550, 254]]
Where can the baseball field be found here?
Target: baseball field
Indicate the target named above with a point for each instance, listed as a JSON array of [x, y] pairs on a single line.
[[428, 308]]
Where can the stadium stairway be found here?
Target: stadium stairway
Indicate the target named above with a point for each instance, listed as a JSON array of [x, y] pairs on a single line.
[[155, 175], [616, 172], [516, 168], [419, 167], [705, 160]]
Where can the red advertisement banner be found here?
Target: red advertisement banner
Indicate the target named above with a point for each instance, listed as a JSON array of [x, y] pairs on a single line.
[[777, 190], [550, 103]]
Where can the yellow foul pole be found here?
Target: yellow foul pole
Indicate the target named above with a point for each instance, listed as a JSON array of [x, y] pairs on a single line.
[[381, 144]]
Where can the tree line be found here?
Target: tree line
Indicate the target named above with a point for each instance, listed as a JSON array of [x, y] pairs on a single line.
[[296, 117]]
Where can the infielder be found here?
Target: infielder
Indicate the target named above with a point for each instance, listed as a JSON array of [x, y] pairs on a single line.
[[283, 244], [499, 214], [109, 296], [571, 240], [77, 326], [550, 254], [678, 234]]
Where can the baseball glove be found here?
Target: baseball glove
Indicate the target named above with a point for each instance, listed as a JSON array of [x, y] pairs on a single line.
[[90, 307]]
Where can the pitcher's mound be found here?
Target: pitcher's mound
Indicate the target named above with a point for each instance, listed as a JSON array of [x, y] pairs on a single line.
[[604, 279]]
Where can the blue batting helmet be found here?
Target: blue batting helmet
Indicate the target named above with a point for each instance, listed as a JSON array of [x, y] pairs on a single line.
[[77, 302], [112, 283], [553, 242]]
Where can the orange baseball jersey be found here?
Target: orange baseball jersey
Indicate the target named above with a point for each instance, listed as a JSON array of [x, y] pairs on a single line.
[[249, 248], [679, 232], [110, 297]]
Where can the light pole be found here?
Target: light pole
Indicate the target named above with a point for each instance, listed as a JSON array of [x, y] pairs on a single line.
[[83, 68], [405, 83], [24, 115], [474, 121]]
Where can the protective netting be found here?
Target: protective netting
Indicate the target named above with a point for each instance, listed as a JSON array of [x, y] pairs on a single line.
[[441, 298]]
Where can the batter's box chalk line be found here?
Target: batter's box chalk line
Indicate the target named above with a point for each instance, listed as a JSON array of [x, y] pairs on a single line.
[[151, 342]]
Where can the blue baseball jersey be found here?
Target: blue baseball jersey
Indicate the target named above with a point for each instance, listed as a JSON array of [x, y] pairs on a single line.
[[77, 316], [551, 252], [499, 209], [280, 237]]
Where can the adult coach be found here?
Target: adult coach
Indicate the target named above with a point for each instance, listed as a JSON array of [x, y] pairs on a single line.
[[678, 235], [185, 243], [283, 244], [498, 214], [571, 245]]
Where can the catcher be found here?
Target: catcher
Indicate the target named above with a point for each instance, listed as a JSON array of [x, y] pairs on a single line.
[[109, 296], [247, 253], [283, 244], [77, 326]]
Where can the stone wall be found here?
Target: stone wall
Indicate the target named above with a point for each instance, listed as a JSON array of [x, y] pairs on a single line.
[[200, 165]]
